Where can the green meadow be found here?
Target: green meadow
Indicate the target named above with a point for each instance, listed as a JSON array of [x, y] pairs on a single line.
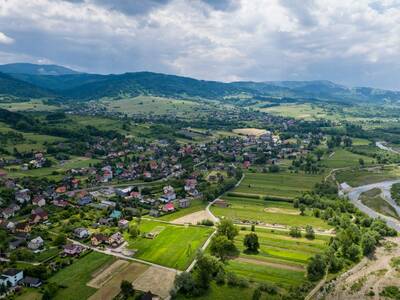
[[283, 184], [243, 209], [175, 246]]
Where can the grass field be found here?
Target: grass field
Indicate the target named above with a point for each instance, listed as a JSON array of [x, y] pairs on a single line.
[[75, 162], [175, 246], [33, 105], [298, 111], [373, 199], [344, 158], [357, 177], [77, 275], [243, 209], [282, 184], [224, 292]]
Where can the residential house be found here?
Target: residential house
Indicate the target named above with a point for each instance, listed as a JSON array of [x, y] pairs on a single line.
[[23, 227], [105, 221], [22, 196], [61, 189], [36, 243], [73, 249], [85, 201], [38, 215], [98, 239], [168, 194], [11, 277], [32, 282], [123, 224], [184, 203], [116, 239], [7, 213], [154, 212], [39, 201], [16, 244], [81, 233], [169, 207], [116, 214]]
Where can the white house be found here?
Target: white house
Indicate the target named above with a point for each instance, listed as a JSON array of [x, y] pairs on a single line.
[[36, 243], [11, 277], [81, 233]]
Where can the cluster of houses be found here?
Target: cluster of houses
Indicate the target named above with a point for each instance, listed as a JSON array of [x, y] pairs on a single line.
[[15, 277]]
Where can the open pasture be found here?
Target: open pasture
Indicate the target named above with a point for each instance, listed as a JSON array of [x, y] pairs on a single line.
[[343, 158], [284, 184], [246, 210], [175, 246]]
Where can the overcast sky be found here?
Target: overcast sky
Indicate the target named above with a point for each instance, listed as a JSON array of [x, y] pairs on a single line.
[[351, 42]]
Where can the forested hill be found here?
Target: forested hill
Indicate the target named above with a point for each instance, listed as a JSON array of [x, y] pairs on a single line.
[[70, 85], [11, 86]]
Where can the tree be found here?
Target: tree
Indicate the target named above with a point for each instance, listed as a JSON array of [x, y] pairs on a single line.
[[310, 232], [60, 240], [302, 209], [221, 247], [227, 228], [185, 283], [256, 294], [251, 242], [361, 162], [206, 268], [295, 232], [319, 153], [316, 268], [127, 288], [134, 230], [253, 228], [368, 243]]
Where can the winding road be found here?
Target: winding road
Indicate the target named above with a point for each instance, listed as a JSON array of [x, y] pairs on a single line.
[[385, 186]]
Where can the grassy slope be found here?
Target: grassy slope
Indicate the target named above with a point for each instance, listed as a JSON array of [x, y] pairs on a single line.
[[344, 158], [196, 205], [277, 184], [254, 210], [357, 177]]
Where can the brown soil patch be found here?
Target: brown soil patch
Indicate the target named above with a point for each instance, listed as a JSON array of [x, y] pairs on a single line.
[[159, 281], [193, 218], [369, 275], [281, 211], [102, 276], [269, 264], [111, 287]]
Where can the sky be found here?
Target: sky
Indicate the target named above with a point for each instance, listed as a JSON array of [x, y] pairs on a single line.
[[356, 43]]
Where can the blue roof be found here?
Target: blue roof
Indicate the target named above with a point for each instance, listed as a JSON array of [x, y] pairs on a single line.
[[116, 214], [84, 201]]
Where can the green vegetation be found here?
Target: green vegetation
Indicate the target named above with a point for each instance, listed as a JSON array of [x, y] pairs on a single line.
[[395, 192], [243, 209], [174, 246], [373, 199], [341, 158], [195, 205], [75, 276], [358, 177], [283, 184]]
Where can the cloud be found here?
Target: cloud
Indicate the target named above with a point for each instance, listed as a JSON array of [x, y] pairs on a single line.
[[4, 39], [351, 42]]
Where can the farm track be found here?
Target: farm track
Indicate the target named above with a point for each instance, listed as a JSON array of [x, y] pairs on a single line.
[[269, 264]]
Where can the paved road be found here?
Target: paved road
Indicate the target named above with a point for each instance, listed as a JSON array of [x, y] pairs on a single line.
[[385, 186], [381, 145]]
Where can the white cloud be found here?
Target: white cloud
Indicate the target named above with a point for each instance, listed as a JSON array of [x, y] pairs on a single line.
[[4, 39], [353, 42]]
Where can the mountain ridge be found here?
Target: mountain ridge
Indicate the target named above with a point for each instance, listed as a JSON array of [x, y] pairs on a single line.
[[84, 86]]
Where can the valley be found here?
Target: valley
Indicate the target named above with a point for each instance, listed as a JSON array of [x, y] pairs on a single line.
[[192, 189]]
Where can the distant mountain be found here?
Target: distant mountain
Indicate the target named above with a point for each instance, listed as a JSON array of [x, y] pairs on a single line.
[[13, 87], [33, 69], [64, 83]]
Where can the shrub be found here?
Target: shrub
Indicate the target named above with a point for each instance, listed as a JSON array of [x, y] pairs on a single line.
[[268, 288]]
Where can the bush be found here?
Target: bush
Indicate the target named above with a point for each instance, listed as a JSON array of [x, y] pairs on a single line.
[[232, 279], [268, 288], [295, 232], [206, 222]]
